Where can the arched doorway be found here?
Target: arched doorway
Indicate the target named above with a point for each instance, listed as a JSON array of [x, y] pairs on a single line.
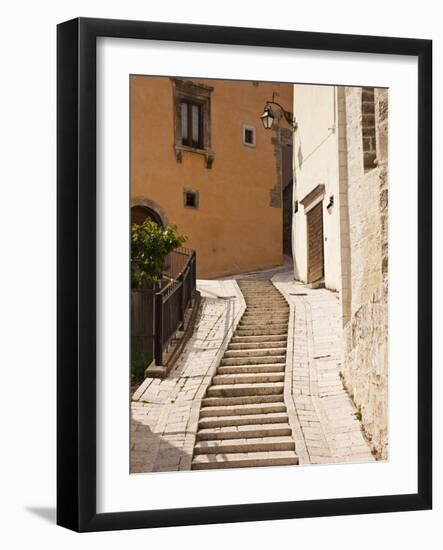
[[140, 213]]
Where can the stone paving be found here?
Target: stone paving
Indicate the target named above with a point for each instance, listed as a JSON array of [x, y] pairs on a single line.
[[323, 419], [322, 416], [164, 413]]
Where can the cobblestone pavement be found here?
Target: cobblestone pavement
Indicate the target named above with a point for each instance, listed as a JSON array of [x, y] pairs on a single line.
[[164, 413], [322, 416]]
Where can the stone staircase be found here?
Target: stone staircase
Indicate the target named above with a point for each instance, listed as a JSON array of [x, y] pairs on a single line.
[[243, 420]]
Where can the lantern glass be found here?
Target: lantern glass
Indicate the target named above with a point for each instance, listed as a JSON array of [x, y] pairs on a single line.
[[267, 118]]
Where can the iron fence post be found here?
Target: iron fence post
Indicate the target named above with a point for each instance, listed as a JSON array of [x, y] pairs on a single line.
[[158, 348], [182, 302]]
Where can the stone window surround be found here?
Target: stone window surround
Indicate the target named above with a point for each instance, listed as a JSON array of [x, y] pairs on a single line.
[[186, 90], [254, 135], [186, 190]]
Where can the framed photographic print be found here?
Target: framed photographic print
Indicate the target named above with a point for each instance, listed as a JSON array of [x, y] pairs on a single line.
[[244, 274]]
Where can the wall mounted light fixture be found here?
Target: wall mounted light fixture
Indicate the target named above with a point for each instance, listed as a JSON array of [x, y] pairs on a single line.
[[268, 116]]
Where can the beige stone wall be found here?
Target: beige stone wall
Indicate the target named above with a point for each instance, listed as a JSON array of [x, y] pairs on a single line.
[[365, 368]]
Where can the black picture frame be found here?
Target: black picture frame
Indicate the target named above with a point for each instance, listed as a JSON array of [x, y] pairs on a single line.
[[76, 295]]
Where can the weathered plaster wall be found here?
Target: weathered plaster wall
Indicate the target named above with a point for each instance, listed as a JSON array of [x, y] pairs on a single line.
[[316, 161], [238, 224], [365, 370]]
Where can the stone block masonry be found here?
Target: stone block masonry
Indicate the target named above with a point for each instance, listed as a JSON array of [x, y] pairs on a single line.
[[365, 368]]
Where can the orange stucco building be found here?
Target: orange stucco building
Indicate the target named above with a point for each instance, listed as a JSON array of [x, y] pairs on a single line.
[[201, 159]]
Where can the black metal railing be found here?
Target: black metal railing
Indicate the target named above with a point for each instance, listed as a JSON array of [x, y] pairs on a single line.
[[174, 298], [176, 262]]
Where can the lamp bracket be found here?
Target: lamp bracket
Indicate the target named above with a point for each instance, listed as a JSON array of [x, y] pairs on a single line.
[[288, 116]]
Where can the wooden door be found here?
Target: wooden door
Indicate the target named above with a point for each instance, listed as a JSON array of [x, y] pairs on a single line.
[[315, 244]]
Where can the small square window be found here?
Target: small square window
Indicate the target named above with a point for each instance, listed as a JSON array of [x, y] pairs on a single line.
[[249, 136], [190, 198]]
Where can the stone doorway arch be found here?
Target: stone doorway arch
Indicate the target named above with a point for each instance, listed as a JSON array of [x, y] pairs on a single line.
[[143, 209]]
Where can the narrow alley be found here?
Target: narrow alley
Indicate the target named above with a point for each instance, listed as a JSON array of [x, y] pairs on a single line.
[[258, 384]]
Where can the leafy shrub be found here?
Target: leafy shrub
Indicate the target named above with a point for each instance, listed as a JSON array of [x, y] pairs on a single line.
[[150, 244]]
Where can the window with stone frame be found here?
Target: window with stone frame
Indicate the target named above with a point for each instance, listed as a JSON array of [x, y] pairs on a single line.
[[190, 198], [248, 135], [191, 124], [192, 119], [368, 128]]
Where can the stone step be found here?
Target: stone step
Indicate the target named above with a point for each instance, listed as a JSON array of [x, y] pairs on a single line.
[[264, 319], [245, 431], [248, 378], [263, 322], [266, 310], [251, 284], [266, 303], [246, 445], [269, 311], [271, 304], [261, 289], [238, 369], [258, 295], [259, 338], [265, 315], [266, 331], [242, 420], [268, 293], [236, 410], [262, 297], [252, 281], [257, 345], [254, 359], [258, 314], [237, 390], [282, 328], [260, 399], [244, 460], [255, 351], [251, 296]]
